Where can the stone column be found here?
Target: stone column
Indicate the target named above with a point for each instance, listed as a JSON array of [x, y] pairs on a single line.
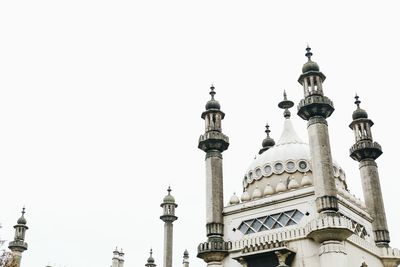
[[213, 142], [332, 254], [374, 200]]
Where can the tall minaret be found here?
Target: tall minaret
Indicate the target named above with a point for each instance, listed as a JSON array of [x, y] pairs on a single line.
[[150, 260], [213, 142], [121, 258], [366, 151], [185, 262], [315, 108], [268, 142], [19, 245], [115, 258], [168, 217]]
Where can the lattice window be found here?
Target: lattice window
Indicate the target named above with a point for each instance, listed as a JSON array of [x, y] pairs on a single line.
[[358, 228], [273, 221]]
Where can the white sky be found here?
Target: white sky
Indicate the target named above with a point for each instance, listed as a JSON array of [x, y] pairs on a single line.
[[100, 105]]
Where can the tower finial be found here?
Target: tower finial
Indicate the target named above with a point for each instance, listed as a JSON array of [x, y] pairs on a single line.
[[267, 130], [309, 54], [169, 190], [357, 102], [286, 104], [212, 92]]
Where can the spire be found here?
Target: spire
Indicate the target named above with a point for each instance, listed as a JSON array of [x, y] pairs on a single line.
[[268, 142], [168, 217], [359, 113], [18, 245], [309, 53], [212, 92], [185, 258], [289, 135], [285, 104], [213, 104], [150, 260], [366, 151]]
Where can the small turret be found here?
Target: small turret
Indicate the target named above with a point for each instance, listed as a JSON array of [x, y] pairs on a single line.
[[19, 245], [168, 218], [115, 258], [185, 258], [150, 260], [268, 142], [366, 151]]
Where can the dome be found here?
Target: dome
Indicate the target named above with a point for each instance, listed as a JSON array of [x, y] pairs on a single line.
[[256, 194], [286, 165], [234, 199], [245, 196], [310, 66], [213, 104], [21, 220], [169, 198], [360, 114]]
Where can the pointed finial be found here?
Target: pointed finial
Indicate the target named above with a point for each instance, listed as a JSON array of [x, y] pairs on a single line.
[[267, 130], [212, 92], [169, 190], [357, 102], [151, 252], [23, 210], [308, 54], [286, 104]]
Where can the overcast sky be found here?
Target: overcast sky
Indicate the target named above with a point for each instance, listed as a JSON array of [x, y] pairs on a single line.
[[100, 105]]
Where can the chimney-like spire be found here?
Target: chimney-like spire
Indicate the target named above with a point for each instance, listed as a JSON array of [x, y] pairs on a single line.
[[168, 217], [18, 245], [213, 142], [366, 151]]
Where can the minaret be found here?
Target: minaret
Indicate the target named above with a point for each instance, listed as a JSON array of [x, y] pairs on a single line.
[[115, 259], [150, 260], [316, 108], [213, 142], [185, 262], [168, 217], [19, 245], [268, 142], [366, 151], [121, 258]]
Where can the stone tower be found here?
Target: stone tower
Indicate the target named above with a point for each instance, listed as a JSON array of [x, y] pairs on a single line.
[[118, 258], [366, 151], [18, 245], [150, 260], [315, 107], [168, 218], [213, 142], [185, 262]]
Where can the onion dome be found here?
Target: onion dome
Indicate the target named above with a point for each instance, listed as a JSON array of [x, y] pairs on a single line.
[[22, 219], [150, 259], [245, 196], [359, 113], [212, 103], [169, 198], [268, 142], [310, 65], [293, 184], [306, 180], [268, 190], [256, 194], [280, 187], [234, 199]]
